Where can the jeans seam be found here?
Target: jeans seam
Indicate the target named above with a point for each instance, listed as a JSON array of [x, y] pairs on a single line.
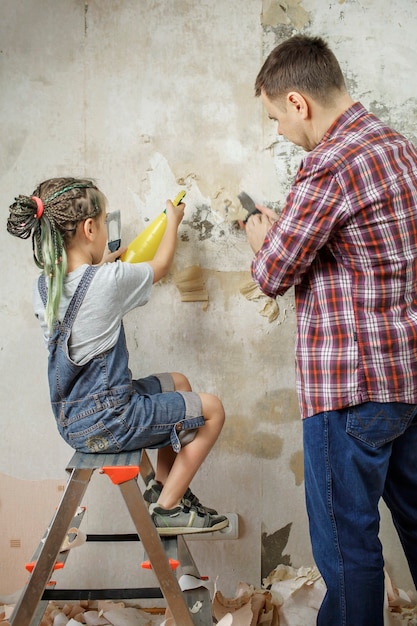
[[333, 522]]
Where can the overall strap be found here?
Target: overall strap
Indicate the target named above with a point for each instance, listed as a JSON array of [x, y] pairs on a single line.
[[77, 298], [43, 291]]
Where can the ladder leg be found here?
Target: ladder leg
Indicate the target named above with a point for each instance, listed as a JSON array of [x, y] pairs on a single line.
[[41, 574], [153, 546], [146, 469], [198, 599], [184, 556]]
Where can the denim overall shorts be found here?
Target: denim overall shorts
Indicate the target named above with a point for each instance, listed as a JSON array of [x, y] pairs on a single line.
[[96, 405]]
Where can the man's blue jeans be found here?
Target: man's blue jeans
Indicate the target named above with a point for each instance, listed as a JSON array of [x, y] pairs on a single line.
[[352, 458]]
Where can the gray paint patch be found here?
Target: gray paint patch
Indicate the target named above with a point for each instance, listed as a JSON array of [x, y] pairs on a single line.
[[272, 550]]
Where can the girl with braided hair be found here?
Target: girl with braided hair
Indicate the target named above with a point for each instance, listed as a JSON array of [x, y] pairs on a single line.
[[80, 300]]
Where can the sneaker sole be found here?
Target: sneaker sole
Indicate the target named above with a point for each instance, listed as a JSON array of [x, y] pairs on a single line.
[[185, 530]]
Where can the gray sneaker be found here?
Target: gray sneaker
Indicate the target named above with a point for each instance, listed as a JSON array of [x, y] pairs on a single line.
[[191, 500], [153, 491], [183, 520]]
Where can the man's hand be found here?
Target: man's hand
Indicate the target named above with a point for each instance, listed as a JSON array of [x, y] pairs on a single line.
[[258, 225]]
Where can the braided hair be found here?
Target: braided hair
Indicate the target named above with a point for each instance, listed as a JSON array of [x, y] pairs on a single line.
[[51, 216]]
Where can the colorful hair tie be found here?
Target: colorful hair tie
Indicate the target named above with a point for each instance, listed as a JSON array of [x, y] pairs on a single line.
[[40, 207]]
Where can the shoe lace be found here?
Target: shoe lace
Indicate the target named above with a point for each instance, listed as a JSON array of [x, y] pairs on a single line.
[[188, 504], [191, 497]]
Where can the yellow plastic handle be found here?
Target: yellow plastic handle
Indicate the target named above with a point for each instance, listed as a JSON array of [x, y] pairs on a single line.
[[177, 200], [144, 246]]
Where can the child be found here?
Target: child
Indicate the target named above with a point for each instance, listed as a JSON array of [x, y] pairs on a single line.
[[80, 300]]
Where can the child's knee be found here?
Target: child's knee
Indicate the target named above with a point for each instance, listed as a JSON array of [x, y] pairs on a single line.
[[181, 382], [212, 408]]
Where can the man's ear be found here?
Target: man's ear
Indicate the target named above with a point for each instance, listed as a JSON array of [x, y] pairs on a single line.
[[300, 104]]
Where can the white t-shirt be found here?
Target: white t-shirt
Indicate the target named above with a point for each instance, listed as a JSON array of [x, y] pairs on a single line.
[[115, 289]]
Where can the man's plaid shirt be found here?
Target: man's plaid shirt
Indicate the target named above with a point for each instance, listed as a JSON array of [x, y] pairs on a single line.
[[347, 241]]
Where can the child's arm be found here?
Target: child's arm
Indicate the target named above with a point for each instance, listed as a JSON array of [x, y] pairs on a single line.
[[166, 250]]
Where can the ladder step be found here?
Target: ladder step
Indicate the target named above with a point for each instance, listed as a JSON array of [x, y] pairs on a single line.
[[97, 461], [102, 594], [173, 563], [31, 566]]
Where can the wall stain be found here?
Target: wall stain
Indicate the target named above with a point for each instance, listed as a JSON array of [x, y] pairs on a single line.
[[272, 549], [255, 434], [229, 281], [279, 407], [200, 222], [297, 466], [291, 12], [245, 434]]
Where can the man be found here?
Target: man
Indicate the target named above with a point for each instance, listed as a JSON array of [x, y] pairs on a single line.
[[347, 241]]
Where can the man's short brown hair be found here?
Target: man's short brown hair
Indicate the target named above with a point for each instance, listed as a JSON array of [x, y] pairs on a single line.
[[304, 64]]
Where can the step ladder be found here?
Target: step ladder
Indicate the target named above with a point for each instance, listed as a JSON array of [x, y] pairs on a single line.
[[191, 607]]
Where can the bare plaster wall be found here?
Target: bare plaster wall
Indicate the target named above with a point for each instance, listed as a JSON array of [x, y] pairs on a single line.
[[149, 97]]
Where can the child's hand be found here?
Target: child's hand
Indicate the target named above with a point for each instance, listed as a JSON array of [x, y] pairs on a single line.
[[166, 249], [109, 257], [175, 213]]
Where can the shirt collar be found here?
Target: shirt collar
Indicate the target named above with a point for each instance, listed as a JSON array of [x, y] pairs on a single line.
[[344, 120]]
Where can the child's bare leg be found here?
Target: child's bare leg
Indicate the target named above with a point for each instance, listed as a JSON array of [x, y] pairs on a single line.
[[191, 456], [165, 460]]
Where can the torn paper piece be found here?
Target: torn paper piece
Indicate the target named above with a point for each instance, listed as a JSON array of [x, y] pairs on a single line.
[[264, 611], [60, 619], [187, 582], [395, 597], [251, 291], [93, 618], [108, 605], [240, 617], [223, 605], [73, 611], [75, 537], [128, 616], [190, 284], [249, 607], [89, 613], [7, 610], [297, 593]]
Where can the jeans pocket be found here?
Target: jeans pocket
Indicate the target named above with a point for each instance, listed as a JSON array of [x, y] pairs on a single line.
[[377, 423], [92, 439]]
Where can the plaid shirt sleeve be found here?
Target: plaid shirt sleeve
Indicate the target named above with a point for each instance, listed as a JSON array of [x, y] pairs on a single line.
[[314, 207]]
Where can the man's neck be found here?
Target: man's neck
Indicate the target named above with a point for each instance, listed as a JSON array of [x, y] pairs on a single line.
[[323, 117]]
